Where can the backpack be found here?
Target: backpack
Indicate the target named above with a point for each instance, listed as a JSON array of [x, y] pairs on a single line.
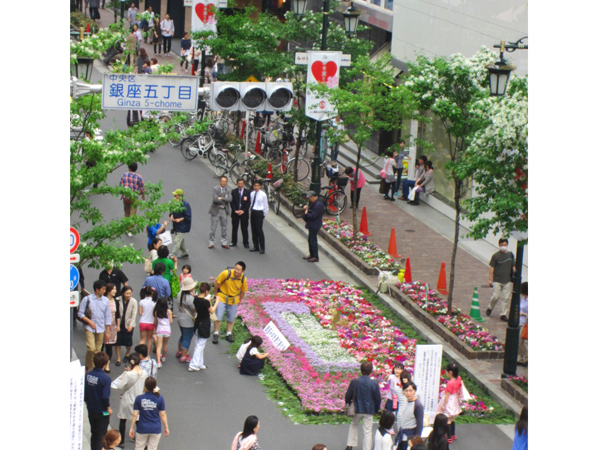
[[230, 269]]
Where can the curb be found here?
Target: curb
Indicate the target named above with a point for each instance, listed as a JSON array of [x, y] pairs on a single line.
[[515, 391]]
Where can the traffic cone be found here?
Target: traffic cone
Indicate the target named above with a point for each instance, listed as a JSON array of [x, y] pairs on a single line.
[[270, 172], [392, 247], [257, 146], [475, 313], [407, 274], [87, 28], [364, 225], [441, 286], [243, 128]]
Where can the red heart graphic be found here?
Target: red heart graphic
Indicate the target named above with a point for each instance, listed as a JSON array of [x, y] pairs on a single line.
[[204, 12], [323, 71]]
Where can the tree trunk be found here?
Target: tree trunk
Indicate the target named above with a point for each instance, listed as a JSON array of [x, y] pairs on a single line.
[[457, 192], [353, 195], [297, 151]]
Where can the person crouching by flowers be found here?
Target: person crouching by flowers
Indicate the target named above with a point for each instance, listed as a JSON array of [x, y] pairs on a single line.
[[246, 440], [150, 408], [253, 361]]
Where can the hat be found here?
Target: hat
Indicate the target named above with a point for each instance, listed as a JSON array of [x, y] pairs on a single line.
[[310, 194], [188, 284], [178, 192]]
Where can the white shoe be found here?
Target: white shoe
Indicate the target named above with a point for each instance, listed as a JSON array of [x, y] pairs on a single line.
[[159, 365], [191, 369], [129, 234], [203, 367]]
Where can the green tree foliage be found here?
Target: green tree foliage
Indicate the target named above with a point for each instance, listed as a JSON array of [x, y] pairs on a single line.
[[497, 158]]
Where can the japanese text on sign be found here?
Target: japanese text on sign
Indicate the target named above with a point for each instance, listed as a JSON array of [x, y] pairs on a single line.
[[279, 341], [428, 365], [151, 92]]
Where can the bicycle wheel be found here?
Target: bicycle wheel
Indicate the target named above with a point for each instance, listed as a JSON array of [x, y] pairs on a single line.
[[176, 140], [274, 155], [298, 208], [220, 159], [222, 124], [236, 171], [188, 149], [302, 167], [336, 202], [220, 170], [215, 153], [277, 206]]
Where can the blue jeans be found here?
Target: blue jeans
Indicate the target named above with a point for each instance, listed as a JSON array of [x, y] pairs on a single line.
[[186, 337], [403, 445], [313, 243], [408, 184]]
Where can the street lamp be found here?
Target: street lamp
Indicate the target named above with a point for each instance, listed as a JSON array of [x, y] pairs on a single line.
[[500, 71], [351, 19], [299, 8], [82, 68]]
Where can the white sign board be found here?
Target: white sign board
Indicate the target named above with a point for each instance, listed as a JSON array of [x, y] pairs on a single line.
[[428, 366], [149, 92], [278, 339], [203, 15], [77, 372], [74, 258], [74, 299], [324, 68], [188, 2], [301, 58]]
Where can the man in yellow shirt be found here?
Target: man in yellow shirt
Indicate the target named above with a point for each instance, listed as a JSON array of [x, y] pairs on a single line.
[[230, 287]]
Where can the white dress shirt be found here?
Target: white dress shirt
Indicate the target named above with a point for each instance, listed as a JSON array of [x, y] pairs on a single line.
[[261, 203]]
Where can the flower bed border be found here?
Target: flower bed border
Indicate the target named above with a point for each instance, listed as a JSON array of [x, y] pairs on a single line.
[[515, 391]]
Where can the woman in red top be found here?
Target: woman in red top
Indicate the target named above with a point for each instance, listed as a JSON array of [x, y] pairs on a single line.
[[355, 184], [450, 402]]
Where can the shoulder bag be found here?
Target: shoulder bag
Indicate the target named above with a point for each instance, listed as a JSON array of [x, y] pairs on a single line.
[[148, 264], [525, 332], [134, 383], [350, 409]]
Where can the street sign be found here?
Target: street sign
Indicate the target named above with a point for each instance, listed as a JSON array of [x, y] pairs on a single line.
[[323, 68], [251, 79], [73, 276], [301, 58], [74, 299], [150, 92], [74, 258], [74, 242]]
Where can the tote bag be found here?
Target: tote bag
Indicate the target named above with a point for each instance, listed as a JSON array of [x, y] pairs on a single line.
[[165, 238]]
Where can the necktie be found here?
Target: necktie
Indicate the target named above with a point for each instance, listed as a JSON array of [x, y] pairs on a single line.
[[253, 200], [241, 194]]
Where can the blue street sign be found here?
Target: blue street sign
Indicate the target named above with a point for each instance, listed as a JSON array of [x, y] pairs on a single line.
[[73, 276]]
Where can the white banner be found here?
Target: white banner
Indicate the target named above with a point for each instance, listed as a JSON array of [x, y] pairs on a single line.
[[149, 92], [77, 372], [203, 15], [324, 68], [428, 366], [278, 339]]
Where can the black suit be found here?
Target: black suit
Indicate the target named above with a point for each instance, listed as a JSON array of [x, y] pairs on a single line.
[[238, 203]]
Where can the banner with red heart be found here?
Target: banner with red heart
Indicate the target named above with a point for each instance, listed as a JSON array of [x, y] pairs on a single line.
[[322, 71], [203, 16], [205, 12]]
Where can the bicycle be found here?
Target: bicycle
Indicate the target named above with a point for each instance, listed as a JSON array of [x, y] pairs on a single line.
[[335, 200], [206, 145], [272, 189], [290, 166]]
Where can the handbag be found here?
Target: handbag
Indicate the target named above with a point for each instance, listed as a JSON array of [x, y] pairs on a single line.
[[166, 238], [464, 394], [412, 193], [148, 265], [383, 171], [382, 187], [349, 409], [524, 333]]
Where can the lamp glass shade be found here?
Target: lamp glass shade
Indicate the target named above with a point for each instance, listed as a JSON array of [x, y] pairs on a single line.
[[499, 76], [351, 20], [299, 7], [83, 68]]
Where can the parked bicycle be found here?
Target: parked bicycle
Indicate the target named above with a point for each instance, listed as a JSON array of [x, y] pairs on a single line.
[[334, 199]]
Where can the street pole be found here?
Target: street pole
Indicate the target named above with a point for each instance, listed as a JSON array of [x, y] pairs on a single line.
[[315, 182], [122, 9], [202, 67], [511, 346]]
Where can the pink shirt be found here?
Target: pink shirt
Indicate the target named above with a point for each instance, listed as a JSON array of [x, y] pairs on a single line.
[[361, 180]]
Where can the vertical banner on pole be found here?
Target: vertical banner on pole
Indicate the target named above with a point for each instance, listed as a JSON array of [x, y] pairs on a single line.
[[323, 67], [203, 15], [428, 366], [77, 374]]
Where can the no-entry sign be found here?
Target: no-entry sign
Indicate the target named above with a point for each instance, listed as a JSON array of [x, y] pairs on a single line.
[[74, 242]]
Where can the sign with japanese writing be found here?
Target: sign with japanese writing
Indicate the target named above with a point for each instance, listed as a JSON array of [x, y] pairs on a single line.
[[324, 68], [149, 92], [77, 372], [428, 366], [203, 15], [301, 58], [278, 339]]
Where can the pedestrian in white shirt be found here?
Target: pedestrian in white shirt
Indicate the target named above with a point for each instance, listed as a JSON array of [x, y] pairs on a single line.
[[167, 28], [259, 206]]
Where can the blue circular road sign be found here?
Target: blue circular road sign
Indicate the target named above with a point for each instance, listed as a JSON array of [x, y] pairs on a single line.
[[73, 276]]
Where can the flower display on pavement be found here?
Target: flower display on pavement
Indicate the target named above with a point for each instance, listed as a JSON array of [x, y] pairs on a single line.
[[331, 329], [459, 324], [370, 253]]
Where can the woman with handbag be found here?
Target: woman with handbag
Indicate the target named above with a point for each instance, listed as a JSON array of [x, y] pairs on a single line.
[[111, 291], [425, 184], [387, 173], [128, 306], [246, 440], [204, 308], [185, 319], [132, 383], [449, 405]]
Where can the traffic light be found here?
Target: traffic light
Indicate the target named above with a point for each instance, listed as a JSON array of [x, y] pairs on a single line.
[[232, 96]]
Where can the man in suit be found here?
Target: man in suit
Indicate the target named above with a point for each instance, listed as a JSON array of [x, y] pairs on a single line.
[[219, 210], [240, 212], [366, 396], [259, 206]]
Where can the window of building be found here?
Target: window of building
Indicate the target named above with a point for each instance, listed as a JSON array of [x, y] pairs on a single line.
[[389, 4]]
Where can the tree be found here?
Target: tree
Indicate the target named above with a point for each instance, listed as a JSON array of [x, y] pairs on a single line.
[[370, 103], [91, 161], [497, 158], [450, 88]]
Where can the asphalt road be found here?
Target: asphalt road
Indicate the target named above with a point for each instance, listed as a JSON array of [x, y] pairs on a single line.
[[205, 409]]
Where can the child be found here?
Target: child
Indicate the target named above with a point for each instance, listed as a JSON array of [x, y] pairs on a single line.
[[253, 360], [391, 403], [146, 311], [242, 351], [186, 272], [162, 320]]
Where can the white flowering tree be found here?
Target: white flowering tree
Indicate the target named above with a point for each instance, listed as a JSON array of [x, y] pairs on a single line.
[[450, 88], [497, 159]]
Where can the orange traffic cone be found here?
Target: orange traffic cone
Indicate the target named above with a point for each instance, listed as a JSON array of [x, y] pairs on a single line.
[[392, 247], [243, 128], [257, 146], [364, 225], [407, 274], [270, 172], [87, 28], [441, 286]]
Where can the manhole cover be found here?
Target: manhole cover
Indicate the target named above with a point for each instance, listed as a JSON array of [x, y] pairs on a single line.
[[410, 231]]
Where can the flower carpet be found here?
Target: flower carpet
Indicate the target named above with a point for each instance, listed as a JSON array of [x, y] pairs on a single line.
[[367, 251], [322, 359], [459, 324]]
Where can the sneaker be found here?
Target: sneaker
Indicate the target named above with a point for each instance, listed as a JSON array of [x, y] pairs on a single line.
[[488, 312], [186, 358], [504, 318], [191, 369], [454, 438], [159, 365], [185, 256], [203, 367], [162, 358], [129, 234], [178, 355], [182, 359], [229, 338], [215, 339]]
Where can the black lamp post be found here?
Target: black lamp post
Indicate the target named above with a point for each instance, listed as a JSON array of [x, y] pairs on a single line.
[[82, 69], [500, 71], [511, 345], [299, 8]]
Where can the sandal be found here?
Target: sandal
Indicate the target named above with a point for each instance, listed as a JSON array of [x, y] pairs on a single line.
[[118, 363]]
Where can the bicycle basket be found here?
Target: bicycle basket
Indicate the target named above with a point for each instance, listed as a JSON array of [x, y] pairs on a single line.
[[341, 182], [219, 135], [274, 137], [277, 184]]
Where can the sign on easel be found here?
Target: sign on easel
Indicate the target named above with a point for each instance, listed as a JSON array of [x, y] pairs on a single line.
[[428, 367], [278, 339]]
